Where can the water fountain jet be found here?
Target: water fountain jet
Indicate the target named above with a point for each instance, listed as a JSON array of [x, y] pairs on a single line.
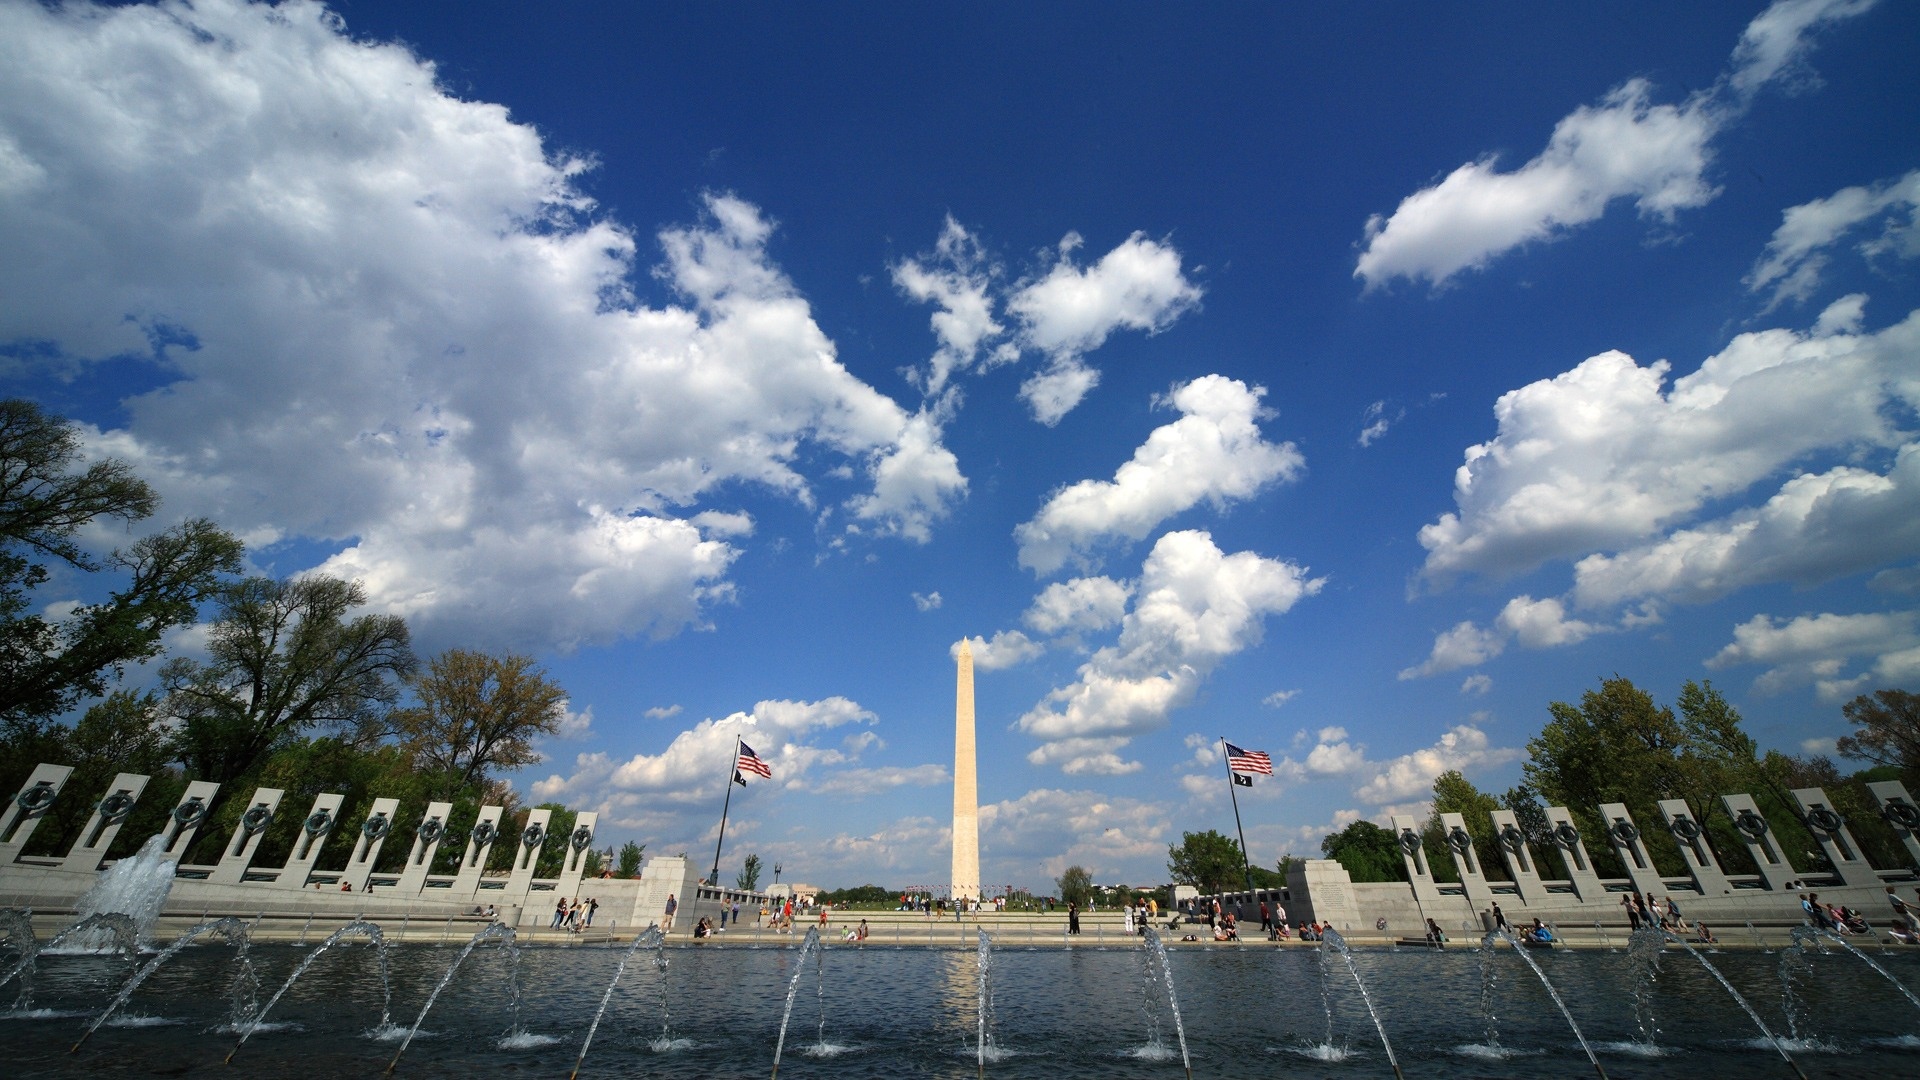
[[358, 927], [809, 944], [1742, 1002], [1552, 993], [650, 938], [232, 929], [1331, 939], [500, 932]]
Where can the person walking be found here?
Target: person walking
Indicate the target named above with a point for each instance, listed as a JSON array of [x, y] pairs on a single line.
[[666, 921]]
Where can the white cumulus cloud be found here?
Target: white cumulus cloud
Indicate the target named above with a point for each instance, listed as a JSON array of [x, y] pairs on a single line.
[[1606, 455], [1463, 747], [399, 326], [1819, 650], [1194, 606], [1798, 253], [1214, 453], [1070, 310], [1084, 604], [1005, 649], [1626, 146]]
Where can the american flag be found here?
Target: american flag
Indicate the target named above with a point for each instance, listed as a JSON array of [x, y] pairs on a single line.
[[750, 762], [1248, 761]]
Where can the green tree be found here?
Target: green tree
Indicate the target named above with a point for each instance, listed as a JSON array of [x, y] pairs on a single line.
[[629, 865], [1076, 885], [1207, 861], [1369, 852], [1889, 729], [1453, 793], [47, 666], [749, 876], [477, 714], [285, 659], [1617, 745]]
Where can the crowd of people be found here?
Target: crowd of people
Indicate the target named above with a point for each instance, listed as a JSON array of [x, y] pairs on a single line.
[[573, 915]]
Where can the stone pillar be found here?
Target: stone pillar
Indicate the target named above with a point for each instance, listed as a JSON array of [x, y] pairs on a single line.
[[1900, 811], [1830, 831], [574, 859], [183, 825], [1322, 891], [1426, 891], [527, 855], [426, 843], [314, 830], [109, 814], [1625, 837], [1573, 855], [473, 862], [966, 791], [1762, 845], [246, 837], [1472, 877], [23, 812], [1691, 837], [373, 836], [1516, 856]]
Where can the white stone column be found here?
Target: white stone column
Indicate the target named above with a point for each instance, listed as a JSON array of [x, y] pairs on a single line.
[[108, 815], [366, 848], [183, 825], [319, 824], [23, 812], [966, 792], [246, 837], [1573, 855], [1762, 845], [426, 843], [527, 856], [1426, 891], [574, 859], [473, 862], [1473, 879], [1831, 833], [1691, 838], [1517, 857], [1898, 807], [1627, 842]]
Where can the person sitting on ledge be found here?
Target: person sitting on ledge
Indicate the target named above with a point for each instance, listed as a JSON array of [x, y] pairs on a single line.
[[1224, 931], [703, 928], [1703, 935], [1436, 937], [1309, 933], [1279, 931], [1538, 932]]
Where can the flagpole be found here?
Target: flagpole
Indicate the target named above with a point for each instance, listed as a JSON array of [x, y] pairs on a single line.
[[724, 804], [1245, 867]]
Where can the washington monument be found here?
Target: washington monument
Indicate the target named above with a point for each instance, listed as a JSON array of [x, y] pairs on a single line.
[[966, 793]]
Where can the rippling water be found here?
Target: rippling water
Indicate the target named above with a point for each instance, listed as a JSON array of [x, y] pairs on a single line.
[[894, 1012]]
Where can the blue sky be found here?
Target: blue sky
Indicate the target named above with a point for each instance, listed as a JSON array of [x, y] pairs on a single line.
[[1351, 382]]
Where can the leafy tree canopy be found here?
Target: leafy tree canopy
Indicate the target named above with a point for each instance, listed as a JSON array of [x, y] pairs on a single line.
[[1368, 852], [477, 714], [1076, 885], [284, 658], [1207, 861], [48, 667]]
